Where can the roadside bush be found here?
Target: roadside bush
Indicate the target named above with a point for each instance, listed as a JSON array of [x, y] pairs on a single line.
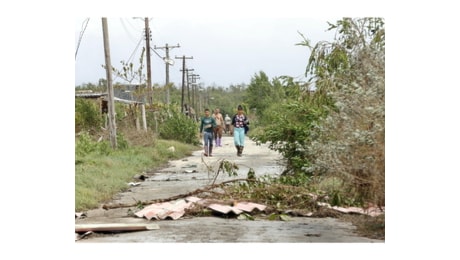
[[291, 132], [85, 145], [179, 127], [87, 115]]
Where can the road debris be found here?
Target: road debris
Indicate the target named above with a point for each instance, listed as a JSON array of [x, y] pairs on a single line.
[[176, 209], [112, 227]]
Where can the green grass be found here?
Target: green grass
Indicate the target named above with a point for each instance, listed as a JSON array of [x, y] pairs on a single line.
[[99, 177]]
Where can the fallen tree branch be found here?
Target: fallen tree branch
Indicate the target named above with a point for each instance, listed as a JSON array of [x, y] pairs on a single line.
[[180, 196], [208, 188]]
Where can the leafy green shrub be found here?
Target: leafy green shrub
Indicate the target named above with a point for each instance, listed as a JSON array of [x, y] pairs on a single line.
[[179, 127], [85, 145], [87, 115], [291, 132]]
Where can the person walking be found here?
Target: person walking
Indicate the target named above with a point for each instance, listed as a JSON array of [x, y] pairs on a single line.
[[207, 126], [228, 122], [219, 127], [239, 122]]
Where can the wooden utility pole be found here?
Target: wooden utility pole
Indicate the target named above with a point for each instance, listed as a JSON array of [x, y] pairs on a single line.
[[183, 79], [194, 78], [144, 119], [147, 47], [108, 70], [188, 85], [193, 97], [167, 62]]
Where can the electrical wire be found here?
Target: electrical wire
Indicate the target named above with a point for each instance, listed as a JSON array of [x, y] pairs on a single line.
[[137, 47], [81, 35], [131, 57], [123, 23], [157, 53]]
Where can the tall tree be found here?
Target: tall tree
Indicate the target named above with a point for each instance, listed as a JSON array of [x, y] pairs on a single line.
[[262, 92]]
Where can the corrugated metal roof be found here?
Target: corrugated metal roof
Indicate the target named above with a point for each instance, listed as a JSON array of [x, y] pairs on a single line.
[[249, 206], [126, 101], [90, 95], [172, 210], [118, 97], [371, 211], [237, 208], [176, 209], [225, 209]]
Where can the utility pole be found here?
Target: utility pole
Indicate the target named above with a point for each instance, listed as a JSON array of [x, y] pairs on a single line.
[[188, 85], [108, 71], [167, 62], [183, 79], [147, 46], [194, 77]]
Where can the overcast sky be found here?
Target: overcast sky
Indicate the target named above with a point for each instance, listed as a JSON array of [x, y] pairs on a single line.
[[225, 51]]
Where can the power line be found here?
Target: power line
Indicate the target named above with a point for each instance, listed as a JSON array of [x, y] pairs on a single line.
[[123, 23], [81, 36], [156, 53], [137, 47], [134, 52]]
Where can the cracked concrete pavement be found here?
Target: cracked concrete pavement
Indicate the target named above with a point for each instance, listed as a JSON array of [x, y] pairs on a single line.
[[196, 171]]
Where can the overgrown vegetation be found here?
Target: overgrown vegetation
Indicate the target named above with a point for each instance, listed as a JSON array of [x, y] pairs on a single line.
[[101, 172], [87, 115], [177, 126], [351, 145], [336, 131]]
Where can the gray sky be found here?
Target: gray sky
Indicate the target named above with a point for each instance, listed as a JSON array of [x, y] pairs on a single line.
[[225, 50]]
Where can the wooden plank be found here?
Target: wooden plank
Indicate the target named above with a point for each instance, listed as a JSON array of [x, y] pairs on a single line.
[[115, 227]]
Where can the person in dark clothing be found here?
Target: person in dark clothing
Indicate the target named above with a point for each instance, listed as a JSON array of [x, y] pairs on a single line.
[[208, 124]]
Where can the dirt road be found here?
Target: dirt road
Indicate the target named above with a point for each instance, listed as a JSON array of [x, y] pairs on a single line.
[[197, 171]]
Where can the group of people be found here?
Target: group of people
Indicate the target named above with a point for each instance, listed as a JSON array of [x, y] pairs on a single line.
[[212, 126]]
